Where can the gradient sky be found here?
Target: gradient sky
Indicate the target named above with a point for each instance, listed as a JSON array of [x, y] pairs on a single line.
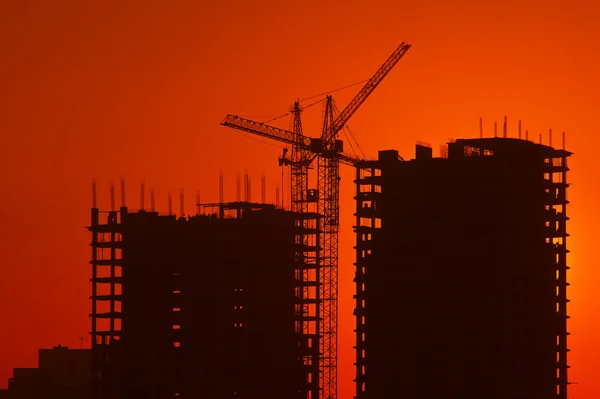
[[99, 89]]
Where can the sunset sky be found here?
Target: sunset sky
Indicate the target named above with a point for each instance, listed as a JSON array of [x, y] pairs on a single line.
[[99, 89]]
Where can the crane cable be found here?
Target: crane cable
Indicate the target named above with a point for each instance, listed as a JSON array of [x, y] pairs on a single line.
[[334, 90], [277, 117], [364, 156], [336, 112], [261, 141], [350, 138], [289, 113], [316, 102]]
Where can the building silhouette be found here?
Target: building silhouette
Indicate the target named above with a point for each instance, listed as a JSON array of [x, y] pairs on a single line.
[[204, 306], [461, 272], [62, 373]]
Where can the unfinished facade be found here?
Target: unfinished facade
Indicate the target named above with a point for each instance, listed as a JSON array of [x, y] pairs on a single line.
[[461, 273], [205, 306]]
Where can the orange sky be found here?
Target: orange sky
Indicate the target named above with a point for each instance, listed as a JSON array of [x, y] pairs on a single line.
[[96, 90]]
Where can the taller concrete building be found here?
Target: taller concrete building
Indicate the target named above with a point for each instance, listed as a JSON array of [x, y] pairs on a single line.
[[461, 273]]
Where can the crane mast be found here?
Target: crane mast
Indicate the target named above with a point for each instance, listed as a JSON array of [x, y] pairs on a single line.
[[306, 260], [328, 208], [316, 260]]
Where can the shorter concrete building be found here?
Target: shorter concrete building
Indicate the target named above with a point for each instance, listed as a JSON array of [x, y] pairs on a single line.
[[205, 306], [61, 373]]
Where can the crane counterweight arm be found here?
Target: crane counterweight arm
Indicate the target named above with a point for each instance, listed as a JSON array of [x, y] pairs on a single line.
[[368, 88], [285, 136], [349, 160], [264, 130]]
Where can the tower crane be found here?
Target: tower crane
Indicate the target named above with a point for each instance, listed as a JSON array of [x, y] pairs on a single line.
[[329, 153]]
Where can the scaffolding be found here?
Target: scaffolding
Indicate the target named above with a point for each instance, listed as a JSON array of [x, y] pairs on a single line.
[[106, 296], [368, 223], [556, 235]]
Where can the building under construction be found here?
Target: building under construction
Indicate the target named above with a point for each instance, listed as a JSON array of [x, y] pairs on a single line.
[[203, 306], [461, 272]]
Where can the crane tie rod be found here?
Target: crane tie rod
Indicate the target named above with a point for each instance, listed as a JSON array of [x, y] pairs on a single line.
[[316, 102], [334, 90], [289, 113]]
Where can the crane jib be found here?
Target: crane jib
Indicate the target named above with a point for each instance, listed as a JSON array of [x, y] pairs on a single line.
[[312, 145], [368, 88]]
